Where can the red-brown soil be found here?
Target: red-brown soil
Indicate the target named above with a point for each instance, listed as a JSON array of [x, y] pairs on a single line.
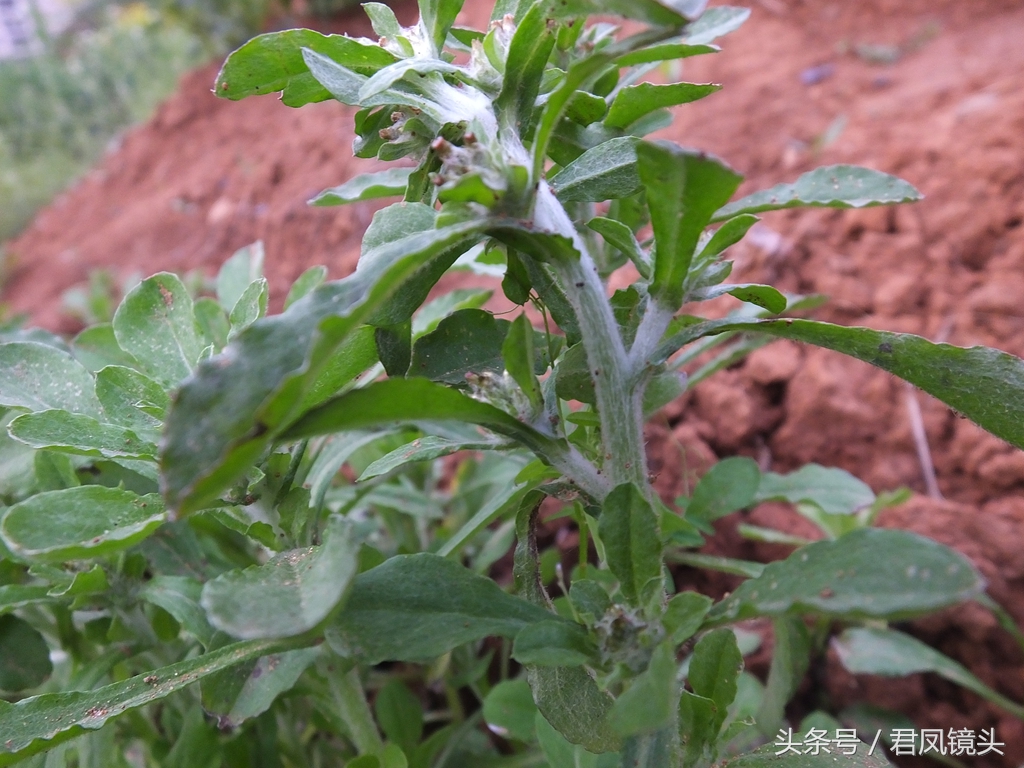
[[206, 176]]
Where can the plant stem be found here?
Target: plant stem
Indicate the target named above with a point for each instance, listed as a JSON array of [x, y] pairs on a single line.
[[354, 710], [619, 395]]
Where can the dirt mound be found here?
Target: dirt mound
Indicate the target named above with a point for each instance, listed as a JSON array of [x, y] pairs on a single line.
[[926, 90]]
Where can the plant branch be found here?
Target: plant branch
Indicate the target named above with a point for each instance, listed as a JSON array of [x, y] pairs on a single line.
[[619, 396]]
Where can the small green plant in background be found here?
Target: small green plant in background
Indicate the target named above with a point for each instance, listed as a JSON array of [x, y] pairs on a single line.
[[201, 494]]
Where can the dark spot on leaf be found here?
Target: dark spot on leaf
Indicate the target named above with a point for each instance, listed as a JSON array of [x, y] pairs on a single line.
[[826, 592], [885, 347]]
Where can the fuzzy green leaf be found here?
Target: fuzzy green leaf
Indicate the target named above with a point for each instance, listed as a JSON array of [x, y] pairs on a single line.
[[437, 17], [369, 186], [634, 101], [869, 573], [683, 191], [309, 280], [273, 62], [981, 383], [400, 714], [649, 704], [81, 522], [554, 644], [767, 757], [629, 530], [290, 594], [606, 172], [79, 434], [621, 237], [833, 186], [235, 404], [414, 399], [39, 723], [417, 607], [156, 325], [528, 54], [39, 377]]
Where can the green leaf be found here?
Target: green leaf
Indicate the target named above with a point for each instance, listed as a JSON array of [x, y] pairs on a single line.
[[273, 62], [425, 448], [290, 594], [791, 657], [558, 752], [81, 522], [180, 596], [24, 656], [767, 757], [97, 347], [437, 17], [247, 690], [509, 710], [869, 573], [79, 434], [981, 383], [634, 101], [518, 354], [400, 715], [585, 108], [833, 186], [39, 377], [554, 644], [683, 191], [212, 321], [39, 723], [236, 404], [667, 51], [391, 74], [835, 490], [467, 341], [240, 271], [605, 172], [14, 596], [729, 485], [764, 296], [730, 233], [369, 186], [417, 607], [621, 237], [250, 307], [527, 60], [415, 399], [629, 530], [383, 20], [714, 23], [684, 615], [871, 651], [156, 325], [571, 701], [304, 284], [131, 399], [714, 668], [649, 704]]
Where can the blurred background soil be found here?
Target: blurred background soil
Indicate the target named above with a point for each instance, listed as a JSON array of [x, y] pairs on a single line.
[[930, 91]]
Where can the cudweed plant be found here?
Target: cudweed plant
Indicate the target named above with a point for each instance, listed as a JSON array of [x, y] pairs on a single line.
[[176, 513]]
